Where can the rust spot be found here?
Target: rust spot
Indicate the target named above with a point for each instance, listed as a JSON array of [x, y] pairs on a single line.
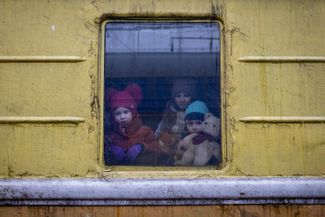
[[216, 10], [92, 27], [90, 129], [94, 107]]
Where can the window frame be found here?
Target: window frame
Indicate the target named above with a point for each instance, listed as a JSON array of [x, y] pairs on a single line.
[[169, 171]]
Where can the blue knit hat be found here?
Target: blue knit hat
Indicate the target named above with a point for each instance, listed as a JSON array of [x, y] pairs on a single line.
[[196, 111]]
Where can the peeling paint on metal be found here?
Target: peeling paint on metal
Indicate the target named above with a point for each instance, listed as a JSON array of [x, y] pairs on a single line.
[[252, 29]]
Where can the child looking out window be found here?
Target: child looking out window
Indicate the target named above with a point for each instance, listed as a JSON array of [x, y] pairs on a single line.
[[130, 142], [194, 116], [171, 128]]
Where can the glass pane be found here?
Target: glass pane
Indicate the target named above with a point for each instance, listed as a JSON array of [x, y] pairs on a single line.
[[162, 94]]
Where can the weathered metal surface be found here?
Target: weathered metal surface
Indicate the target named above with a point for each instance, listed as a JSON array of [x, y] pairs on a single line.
[[289, 30], [162, 191], [158, 202], [170, 211]]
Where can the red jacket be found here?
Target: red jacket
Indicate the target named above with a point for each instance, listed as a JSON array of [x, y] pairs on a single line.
[[133, 133]]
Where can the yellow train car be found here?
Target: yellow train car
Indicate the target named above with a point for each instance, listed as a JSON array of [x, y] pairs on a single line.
[[86, 86]]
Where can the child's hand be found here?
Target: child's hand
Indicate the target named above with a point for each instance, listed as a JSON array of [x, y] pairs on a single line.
[[118, 152], [134, 151]]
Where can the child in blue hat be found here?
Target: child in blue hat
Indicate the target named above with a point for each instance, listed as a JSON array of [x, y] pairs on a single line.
[[194, 116]]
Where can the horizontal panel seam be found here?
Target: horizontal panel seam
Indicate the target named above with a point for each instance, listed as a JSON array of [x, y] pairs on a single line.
[[41, 59], [284, 119], [282, 59], [40, 119]]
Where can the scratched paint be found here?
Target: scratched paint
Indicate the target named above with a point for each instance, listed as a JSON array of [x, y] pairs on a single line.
[[72, 28]]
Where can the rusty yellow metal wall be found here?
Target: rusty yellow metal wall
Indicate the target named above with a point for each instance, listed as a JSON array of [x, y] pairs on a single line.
[[50, 85], [161, 211]]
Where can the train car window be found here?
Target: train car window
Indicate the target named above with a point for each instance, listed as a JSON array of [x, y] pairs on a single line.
[[162, 93]]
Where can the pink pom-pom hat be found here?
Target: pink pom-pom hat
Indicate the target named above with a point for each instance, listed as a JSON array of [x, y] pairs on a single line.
[[129, 98]]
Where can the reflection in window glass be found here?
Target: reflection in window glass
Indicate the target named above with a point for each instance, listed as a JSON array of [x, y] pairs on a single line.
[[162, 94]]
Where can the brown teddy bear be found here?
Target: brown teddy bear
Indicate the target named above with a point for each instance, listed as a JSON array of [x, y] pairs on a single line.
[[168, 142], [197, 149]]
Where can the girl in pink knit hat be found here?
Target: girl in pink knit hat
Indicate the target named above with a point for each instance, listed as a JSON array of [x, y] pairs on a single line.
[[131, 143]]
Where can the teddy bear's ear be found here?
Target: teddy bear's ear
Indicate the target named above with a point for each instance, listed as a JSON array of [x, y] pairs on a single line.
[[207, 115]]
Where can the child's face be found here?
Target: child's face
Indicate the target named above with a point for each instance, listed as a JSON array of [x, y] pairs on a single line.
[[182, 100], [122, 115], [194, 126]]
